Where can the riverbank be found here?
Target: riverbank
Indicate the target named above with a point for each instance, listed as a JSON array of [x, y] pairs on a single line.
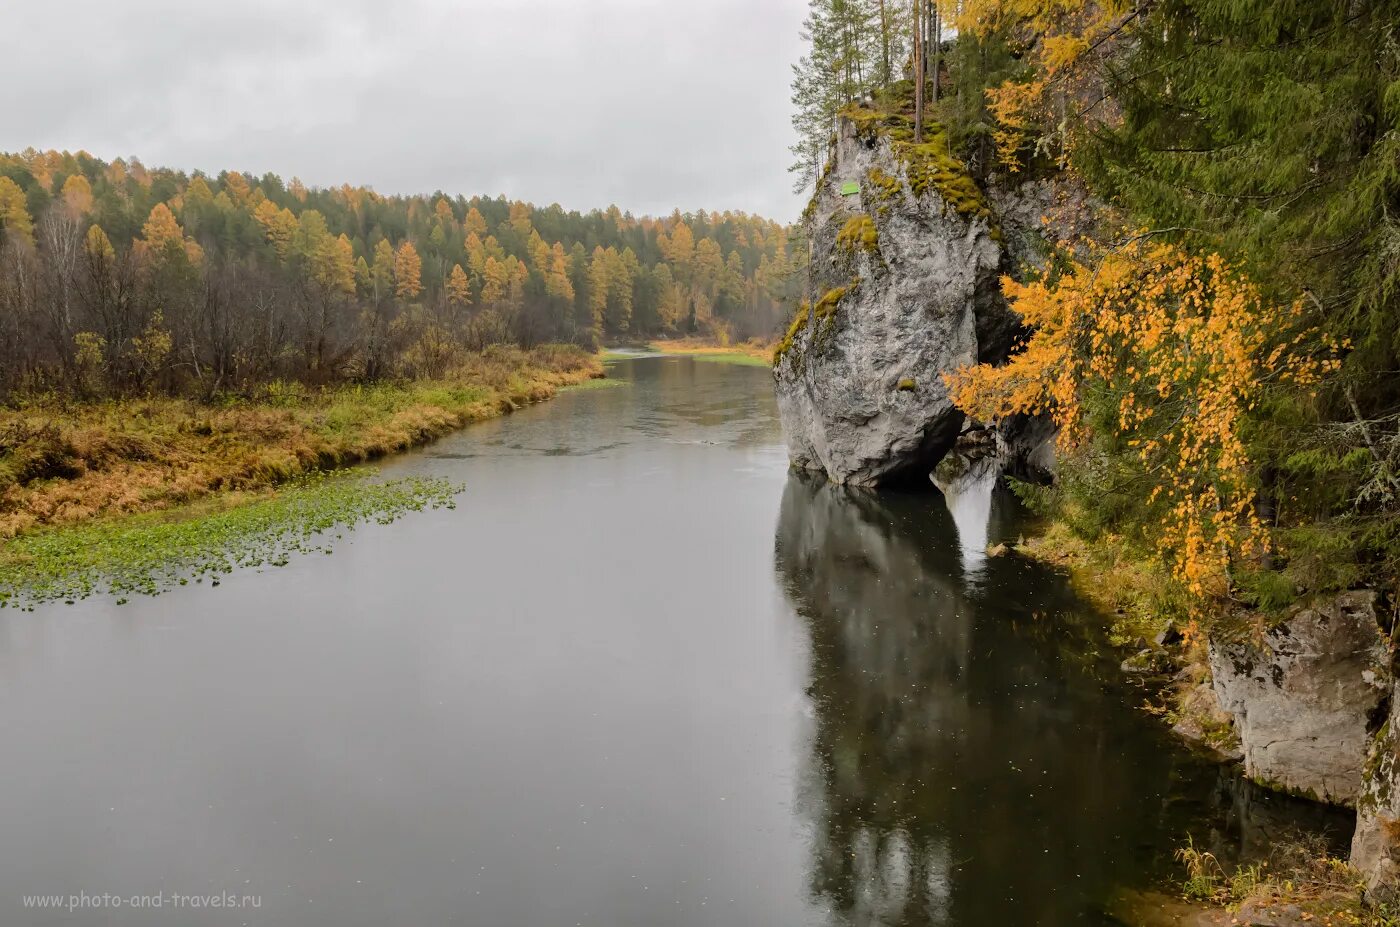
[[755, 352], [64, 463], [1299, 882]]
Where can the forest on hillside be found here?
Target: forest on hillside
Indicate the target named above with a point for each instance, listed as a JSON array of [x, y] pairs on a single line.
[[118, 278], [1221, 355]]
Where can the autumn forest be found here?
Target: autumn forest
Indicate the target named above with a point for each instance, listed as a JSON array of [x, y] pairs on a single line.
[[115, 277]]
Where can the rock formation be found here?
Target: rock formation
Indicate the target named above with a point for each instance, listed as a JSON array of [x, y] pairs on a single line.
[[1305, 700], [905, 287]]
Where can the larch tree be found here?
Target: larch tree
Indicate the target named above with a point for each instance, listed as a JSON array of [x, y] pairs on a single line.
[[495, 281], [459, 288], [15, 220], [408, 272], [77, 195], [382, 270]]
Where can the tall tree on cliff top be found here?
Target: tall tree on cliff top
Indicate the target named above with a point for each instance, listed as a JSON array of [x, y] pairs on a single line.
[[847, 49]]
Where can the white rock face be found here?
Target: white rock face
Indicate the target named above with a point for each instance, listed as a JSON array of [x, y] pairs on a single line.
[[1304, 700], [860, 389]]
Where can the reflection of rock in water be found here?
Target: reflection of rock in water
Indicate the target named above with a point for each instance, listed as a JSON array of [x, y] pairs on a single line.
[[1255, 820], [969, 763], [981, 509]]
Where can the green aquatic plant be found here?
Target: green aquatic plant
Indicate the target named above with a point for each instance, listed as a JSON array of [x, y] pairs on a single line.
[[149, 553]]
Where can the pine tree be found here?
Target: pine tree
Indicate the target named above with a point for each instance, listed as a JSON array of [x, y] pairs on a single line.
[[848, 47]]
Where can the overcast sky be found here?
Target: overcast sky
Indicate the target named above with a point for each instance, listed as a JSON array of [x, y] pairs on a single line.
[[649, 104]]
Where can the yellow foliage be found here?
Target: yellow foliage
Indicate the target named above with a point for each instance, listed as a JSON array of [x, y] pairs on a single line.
[[557, 283], [1185, 346], [496, 277], [77, 195], [279, 225], [15, 220], [152, 346], [459, 290], [1058, 36], [333, 264], [98, 247], [161, 230], [408, 270]]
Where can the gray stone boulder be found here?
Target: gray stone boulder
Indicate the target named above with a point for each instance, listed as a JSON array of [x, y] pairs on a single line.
[[904, 288], [1306, 699]]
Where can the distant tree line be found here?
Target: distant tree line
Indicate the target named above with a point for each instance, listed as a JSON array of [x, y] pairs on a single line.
[[115, 277]]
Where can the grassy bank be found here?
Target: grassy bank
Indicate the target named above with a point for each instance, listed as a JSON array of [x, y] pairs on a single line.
[[749, 353], [1127, 588], [65, 463]]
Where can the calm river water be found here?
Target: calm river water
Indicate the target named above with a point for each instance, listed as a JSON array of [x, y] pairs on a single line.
[[640, 676]]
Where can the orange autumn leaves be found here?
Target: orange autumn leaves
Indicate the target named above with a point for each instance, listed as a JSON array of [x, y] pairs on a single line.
[[1178, 349], [1057, 39]]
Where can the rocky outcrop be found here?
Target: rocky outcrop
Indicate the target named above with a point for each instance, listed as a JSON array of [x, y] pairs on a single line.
[[905, 287], [1306, 699], [1375, 846]]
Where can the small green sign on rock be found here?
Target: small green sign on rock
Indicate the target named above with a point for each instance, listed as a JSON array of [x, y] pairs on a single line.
[[850, 188]]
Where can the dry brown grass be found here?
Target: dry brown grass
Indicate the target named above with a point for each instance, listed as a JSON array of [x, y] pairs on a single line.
[[752, 348], [63, 462]]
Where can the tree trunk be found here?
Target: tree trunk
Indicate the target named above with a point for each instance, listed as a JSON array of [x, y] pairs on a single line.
[[885, 77], [918, 72], [937, 47]]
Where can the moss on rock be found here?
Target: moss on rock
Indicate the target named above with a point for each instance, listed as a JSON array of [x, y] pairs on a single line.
[[859, 233], [929, 164], [799, 322]]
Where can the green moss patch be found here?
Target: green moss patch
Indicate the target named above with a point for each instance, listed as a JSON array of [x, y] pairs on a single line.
[[146, 554], [929, 164], [859, 233], [799, 322]]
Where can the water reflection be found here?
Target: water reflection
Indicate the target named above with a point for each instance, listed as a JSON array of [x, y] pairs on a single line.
[[978, 509], [966, 764]]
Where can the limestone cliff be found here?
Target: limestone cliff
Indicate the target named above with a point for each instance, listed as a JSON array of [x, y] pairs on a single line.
[[906, 256], [1305, 697]]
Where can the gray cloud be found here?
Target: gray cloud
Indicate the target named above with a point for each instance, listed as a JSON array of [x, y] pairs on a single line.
[[649, 104]]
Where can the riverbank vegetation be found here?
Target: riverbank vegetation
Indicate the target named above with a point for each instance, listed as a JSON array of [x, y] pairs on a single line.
[[1300, 882], [145, 554], [756, 352], [65, 460], [167, 336]]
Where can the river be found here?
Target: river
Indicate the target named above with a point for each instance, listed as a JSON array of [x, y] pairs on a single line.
[[639, 676]]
